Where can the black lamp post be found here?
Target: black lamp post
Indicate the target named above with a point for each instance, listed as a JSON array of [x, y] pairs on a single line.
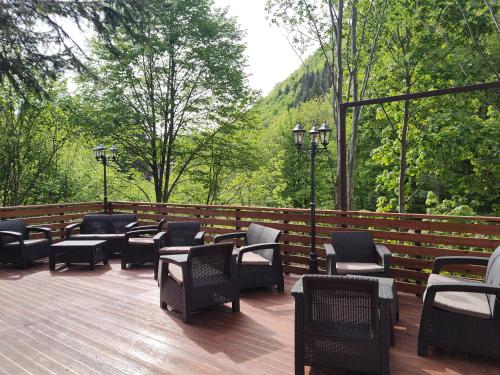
[[100, 153], [317, 137]]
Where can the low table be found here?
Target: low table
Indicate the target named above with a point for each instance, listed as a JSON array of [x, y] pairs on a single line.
[[387, 294], [80, 251]]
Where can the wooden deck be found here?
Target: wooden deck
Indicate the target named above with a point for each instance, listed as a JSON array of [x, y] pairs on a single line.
[[109, 322]]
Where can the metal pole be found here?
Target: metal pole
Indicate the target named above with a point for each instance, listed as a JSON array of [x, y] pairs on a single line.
[[342, 158], [104, 163], [313, 262]]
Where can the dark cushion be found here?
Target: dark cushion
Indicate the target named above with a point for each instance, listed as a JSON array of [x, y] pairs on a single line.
[[354, 247], [106, 224], [181, 233], [15, 225]]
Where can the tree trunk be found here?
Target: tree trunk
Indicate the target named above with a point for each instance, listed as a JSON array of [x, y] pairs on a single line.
[[402, 154], [351, 158], [338, 96]]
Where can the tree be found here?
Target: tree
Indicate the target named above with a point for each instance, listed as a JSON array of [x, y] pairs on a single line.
[[347, 33], [421, 43], [164, 99], [34, 132], [35, 45]]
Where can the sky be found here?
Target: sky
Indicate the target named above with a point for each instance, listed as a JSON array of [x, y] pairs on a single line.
[[271, 59]]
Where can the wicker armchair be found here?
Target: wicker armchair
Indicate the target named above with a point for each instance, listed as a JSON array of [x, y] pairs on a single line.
[[339, 323], [259, 260], [461, 314], [16, 247], [357, 253], [204, 277], [180, 237]]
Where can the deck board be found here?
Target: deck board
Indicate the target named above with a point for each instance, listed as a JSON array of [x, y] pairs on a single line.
[[108, 321]]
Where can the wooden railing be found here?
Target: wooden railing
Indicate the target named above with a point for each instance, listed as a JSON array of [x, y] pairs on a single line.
[[414, 239], [53, 216]]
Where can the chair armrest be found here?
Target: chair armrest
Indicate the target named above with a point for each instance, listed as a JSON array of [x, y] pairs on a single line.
[[178, 259], [46, 231], [199, 239], [131, 225], [146, 227], [139, 232], [18, 236], [298, 288], [158, 237], [331, 260], [228, 236], [68, 230], [442, 261], [385, 255]]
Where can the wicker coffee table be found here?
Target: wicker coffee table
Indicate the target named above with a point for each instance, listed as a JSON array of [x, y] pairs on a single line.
[[91, 252]]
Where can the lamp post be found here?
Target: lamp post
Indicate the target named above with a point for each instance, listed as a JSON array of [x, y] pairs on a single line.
[[317, 137], [100, 153]]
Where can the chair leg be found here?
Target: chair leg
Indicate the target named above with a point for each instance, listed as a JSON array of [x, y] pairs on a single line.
[[236, 305], [423, 348], [186, 317], [124, 264], [281, 287], [299, 364]]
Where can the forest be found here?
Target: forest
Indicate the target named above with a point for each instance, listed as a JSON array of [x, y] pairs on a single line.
[[164, 81]]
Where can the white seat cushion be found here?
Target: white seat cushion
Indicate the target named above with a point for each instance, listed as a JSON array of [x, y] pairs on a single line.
[[141, 241], [174, 250], [254, 259], [344, 268], [103, 236], [466, 303], [175, 272]]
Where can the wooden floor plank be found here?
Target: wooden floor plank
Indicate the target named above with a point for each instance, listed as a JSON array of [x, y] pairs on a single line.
[[108, 321]]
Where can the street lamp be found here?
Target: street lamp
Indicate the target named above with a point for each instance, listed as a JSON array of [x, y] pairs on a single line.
[[317, 137], [101, 155]]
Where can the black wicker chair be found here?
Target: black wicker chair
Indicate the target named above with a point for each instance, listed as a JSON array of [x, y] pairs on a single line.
[[459, 314], [259, 260], [16, 247], [109, 227], [339, 324], [180, 237], [357, 253], [204, 277]]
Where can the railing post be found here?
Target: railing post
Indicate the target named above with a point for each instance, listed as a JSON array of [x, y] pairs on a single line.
[[285, 232], [237, 220]]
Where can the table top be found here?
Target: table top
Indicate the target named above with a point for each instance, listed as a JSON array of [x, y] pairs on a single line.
[[385, 286], [79, 243]]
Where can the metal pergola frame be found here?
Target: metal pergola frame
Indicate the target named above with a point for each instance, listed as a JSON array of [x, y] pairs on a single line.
[[412, 96]]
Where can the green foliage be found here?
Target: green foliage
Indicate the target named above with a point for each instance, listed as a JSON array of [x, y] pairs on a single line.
[[206, 141]]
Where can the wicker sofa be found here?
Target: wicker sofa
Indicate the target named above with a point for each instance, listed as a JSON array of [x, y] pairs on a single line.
[[16, 246], [460, 314], [109, 227], [259, 260]]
